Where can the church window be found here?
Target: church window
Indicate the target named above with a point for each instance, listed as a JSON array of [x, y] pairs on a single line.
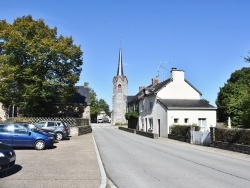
[[119, 88]]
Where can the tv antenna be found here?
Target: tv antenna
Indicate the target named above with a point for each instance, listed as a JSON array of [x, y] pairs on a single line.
[[161, 70]]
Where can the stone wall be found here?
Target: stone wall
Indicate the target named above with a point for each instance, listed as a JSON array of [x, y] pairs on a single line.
[[228, 146], [179, 138], [142, 133], [78, 131], [232, 147]]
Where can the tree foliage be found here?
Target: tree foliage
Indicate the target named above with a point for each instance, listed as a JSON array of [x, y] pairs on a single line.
[[97, 106], [233, 99], [104, 106], [38, 68], [131, 115], [94, 106]]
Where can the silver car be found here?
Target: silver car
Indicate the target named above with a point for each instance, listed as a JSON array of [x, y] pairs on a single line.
[[59, 128]]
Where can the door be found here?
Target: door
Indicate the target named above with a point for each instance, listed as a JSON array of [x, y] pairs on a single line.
[[6, 134], [22, 136], [159, 128]]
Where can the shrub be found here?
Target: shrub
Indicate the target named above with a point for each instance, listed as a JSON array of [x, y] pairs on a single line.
[[244, 137], [181, 130]]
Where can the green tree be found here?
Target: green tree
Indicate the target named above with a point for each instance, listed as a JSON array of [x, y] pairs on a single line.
[[38, 68], [233, 98], [104, 106], [94, 106]]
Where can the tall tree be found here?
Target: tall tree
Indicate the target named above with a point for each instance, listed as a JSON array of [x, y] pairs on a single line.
[[233, 98], [104, 106], [37, 67], [94, 106]]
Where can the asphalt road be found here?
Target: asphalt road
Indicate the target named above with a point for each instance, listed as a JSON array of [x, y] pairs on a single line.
[[138, 162], [71, 163]]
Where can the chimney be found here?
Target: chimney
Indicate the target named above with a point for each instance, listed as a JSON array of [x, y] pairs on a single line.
[[155, 81], [177, 75], [141, 88], [86, 84]]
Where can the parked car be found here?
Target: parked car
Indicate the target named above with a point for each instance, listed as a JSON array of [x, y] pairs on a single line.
[[32, 126], [7, 158], [16, 135], [59, 128], [99, 120], [105, 120]]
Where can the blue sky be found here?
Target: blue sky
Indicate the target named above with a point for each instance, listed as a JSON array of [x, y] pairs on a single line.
[[206, 39]]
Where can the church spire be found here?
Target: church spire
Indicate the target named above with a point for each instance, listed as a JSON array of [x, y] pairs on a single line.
[[120, 67]]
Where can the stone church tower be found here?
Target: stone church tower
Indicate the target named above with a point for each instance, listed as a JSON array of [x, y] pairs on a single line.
[[120, 92]]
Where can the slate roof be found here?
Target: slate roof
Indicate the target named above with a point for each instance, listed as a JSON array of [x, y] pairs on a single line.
[[151, 89], [130, 98], [186, 104]]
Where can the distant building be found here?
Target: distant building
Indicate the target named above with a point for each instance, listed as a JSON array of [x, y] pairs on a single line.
[[79, 107], [120, 90]]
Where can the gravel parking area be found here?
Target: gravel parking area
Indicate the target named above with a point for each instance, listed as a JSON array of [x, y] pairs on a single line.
[[71, 163]]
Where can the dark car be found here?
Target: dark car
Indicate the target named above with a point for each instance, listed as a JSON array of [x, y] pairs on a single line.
[[7, 158], [16, 135], [105, 120]]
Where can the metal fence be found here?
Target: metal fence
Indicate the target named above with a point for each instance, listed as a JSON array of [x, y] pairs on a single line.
[[72, 121]]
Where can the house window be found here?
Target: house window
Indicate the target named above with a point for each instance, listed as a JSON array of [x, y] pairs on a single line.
[[186, 120], [119, 88], [202, 122], [176, 120], [151, 104], [151, 123], [142, 107]]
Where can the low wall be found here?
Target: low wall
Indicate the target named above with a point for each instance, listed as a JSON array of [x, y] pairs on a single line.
[[147, 134], [142, 133], [77, 131], [232, 147], [128, 129], [226, 145], [179, 138]]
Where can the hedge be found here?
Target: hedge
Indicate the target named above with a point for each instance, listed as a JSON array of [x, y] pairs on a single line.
[[238, 136]]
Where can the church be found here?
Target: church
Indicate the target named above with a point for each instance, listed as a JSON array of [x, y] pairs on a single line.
[[120, 92]]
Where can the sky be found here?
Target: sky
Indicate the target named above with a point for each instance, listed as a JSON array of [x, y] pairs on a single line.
[[208, 40]]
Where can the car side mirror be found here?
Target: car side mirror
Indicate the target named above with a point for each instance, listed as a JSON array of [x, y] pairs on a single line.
[[29, 133]]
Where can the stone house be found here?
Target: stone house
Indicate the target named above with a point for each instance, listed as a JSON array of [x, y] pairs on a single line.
[[172, 102]]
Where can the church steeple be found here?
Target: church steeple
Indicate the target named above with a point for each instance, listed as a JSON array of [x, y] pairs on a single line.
[[120, 67]]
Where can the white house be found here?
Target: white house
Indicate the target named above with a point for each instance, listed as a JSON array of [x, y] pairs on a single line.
[[173, 102]]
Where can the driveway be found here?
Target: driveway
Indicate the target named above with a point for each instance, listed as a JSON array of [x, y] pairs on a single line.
[[71, 163]]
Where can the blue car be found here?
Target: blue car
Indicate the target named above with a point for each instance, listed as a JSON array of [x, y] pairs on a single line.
[[16, 135]]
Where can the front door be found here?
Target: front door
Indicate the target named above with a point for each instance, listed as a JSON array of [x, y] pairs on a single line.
[[159, 128]]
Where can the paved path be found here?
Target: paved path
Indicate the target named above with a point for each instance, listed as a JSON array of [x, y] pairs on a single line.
[[72, 164]]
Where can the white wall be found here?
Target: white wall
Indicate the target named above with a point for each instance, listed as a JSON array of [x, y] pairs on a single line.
[[193, 116], [178, 90]]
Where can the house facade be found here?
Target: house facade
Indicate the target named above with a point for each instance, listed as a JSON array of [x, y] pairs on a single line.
[[172, 102]]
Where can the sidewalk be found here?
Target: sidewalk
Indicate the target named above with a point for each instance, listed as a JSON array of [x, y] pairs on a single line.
[[73, 163]]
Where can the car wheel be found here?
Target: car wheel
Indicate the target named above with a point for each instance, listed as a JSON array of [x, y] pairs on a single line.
[[59, 136], [40, 145]]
